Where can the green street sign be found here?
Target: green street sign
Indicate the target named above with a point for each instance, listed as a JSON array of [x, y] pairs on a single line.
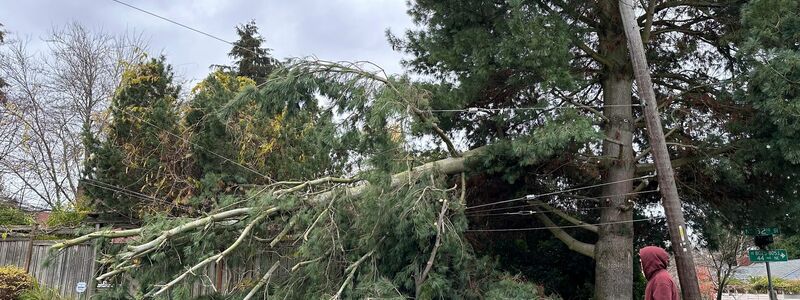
[[762, 231], [768, 255]]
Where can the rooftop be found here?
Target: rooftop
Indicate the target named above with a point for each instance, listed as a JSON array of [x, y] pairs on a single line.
[[781, 269]]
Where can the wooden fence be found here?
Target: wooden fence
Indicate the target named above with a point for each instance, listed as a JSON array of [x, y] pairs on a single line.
[[78, 264], [62, 272]]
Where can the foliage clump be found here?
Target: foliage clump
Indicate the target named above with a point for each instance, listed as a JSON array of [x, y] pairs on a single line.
[[66, 217], [142, 151], [41, 292], [760, 284], [13, 216], [14, 281]]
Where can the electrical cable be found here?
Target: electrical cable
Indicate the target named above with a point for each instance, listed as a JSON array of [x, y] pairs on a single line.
[[575, 198], [529, 212], [479, 109], [535, 196], [124, 191], [559, 227], [185, 26]]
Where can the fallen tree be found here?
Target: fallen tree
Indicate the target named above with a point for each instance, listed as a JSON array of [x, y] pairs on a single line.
[[375, 235]]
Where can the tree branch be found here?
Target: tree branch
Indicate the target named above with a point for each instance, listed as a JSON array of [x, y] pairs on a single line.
[[679, 162], [214, 258], [96, 234], [648, 23], [263, 281], [565, 216], [314, 182], [439, 231], [351, 270], [136, 251], [594, 54], [572, 243], [644, 152], [449, 166]]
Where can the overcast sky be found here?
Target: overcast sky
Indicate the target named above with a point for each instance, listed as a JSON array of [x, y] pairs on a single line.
[[329, 29]]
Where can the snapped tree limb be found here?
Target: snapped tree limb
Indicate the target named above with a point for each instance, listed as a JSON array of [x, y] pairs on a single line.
[[97, 234], [214, 258], [137, 251], [263, 281], [439, 232]]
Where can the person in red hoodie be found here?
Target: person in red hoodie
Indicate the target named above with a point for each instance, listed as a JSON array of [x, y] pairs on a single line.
[[660, 285]]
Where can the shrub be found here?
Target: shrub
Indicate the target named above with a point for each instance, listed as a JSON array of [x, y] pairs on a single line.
[[13, 282], [760, 284], [68, 217], [41, 292], [13, 216], [513, 288]]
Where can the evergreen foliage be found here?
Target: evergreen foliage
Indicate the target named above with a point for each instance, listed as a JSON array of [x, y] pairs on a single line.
[[251, 59], [731, 164], [12, 216], [141, 151], [770, 156], [489, 55], [267, 140]]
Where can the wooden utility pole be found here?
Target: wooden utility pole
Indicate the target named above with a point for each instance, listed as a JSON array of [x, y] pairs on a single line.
[[666, 176]]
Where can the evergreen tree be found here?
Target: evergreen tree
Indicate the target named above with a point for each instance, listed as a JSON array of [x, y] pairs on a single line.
[[251, 60], [254, 140], [522, 54], [142, 152]]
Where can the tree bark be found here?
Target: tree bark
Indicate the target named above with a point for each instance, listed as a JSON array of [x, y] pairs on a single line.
[[614, 247], [666, 177]]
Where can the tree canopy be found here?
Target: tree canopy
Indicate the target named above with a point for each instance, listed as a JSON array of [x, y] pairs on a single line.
[[524, 135]]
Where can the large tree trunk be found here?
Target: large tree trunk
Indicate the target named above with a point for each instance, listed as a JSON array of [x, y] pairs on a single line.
[[613, 251]]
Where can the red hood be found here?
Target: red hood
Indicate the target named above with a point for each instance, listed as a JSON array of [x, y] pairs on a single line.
[[653, 260]]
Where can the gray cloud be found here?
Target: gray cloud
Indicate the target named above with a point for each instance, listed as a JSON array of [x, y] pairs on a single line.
[[333, 30]]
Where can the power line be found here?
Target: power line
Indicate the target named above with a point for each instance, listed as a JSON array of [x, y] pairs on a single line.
[[790, 273], [535, 196], [528, 212], [213, 37], [559, 227], [515, 213], [574, 198], [118, 191], [480, 109], [124, 191], [185, 26]]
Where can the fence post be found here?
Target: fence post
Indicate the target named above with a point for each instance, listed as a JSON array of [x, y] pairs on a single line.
[[93, 270], [29, 253], [220, 273]]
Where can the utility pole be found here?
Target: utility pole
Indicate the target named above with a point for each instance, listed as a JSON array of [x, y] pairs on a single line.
[[666, 176]]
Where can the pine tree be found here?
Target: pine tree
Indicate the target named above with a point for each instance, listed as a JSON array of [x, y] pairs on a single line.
[[519, 54], [141, 152], [251, 59]]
